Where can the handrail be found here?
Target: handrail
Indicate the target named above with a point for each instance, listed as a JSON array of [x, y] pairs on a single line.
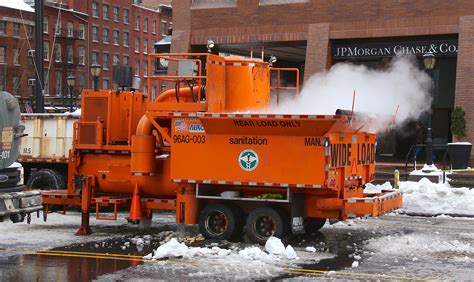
[[278, 87]]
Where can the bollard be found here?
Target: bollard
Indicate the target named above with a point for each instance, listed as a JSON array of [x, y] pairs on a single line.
[[396, 178]]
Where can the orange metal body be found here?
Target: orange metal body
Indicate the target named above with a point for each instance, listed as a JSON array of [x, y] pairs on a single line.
[[192, 139]]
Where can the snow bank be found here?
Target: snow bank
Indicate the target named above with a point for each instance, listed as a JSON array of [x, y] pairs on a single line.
[[425, 197]]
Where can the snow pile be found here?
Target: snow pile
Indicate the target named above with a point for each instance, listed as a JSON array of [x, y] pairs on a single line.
[[375, 189], [274, 247], [16, 4], [425, 197]]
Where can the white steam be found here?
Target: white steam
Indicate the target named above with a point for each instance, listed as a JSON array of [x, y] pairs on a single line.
[[378, 92]]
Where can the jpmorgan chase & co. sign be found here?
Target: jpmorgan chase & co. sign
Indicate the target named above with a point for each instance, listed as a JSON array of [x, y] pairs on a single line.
[[390, 49]]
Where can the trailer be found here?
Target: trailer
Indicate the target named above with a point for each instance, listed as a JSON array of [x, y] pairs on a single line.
[[15, 203], [44, 151], [208, 148]]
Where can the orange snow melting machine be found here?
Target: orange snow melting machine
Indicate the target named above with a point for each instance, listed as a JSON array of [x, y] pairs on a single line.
[[207, 148]]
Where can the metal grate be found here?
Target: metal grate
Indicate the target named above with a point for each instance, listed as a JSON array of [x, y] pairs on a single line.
[[87, 134], [95, 107]]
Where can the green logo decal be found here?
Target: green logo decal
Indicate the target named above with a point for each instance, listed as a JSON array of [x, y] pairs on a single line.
[[248, 160]]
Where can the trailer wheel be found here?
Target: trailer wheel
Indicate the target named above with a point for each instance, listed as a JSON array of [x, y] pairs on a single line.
[[46, 179], [312, 225], [218, 222], [264, 222]]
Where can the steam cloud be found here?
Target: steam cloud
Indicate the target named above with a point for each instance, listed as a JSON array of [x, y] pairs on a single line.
[[378, 92]]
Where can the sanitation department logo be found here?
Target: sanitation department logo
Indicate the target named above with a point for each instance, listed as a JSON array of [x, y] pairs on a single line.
[[248, 160]]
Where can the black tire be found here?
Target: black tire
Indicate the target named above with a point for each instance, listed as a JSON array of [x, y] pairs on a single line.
[[312, 225], [46, 179], [264, 222], [218, 222], [16, 218]]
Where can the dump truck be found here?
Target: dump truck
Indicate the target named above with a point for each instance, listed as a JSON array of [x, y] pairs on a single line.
[[45, 149], [208, 148], [15, 203]]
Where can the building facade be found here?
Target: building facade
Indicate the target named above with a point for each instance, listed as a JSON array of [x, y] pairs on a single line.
[[78, 34], [313, 35], [16, 39]]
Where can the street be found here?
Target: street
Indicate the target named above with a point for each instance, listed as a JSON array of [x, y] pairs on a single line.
[[394, 247]]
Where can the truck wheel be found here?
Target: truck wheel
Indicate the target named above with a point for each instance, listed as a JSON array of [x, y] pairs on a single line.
[[218, 222], [264, 222], [46, 179], [312, 225]]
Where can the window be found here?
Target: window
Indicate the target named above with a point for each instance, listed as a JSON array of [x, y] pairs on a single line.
[[95, 57], [116, 37], [69, 29], [81, 81], [105, 61], [105, 83], [105, 35], [46, 82], [16, 29], [116, 14], [126, 19], [145, 24], [57, 52], [82, 31], [153, 26], [105, 11], [70, 54], [57, 27], [116, 59], [145, 89], [29, 30], [59, 82], [16, 56], [2, 55], [95, 34], [137, 23], [3, 28], [145, 46], [145, 68], [45, 25], [95, 9], [125, 60], [82, 56], [46, 51], [163, 29], [153, 92], [137, 67], [125, 39], [137, 44], [16, 86]]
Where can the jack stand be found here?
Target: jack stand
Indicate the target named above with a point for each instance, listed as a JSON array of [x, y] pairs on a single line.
[[86, 196]]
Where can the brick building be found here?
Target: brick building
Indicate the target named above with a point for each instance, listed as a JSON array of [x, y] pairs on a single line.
[[313, 35], [78, 34], [16, 38]]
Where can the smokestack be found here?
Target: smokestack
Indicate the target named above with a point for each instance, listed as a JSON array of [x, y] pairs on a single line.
[[39, 108]]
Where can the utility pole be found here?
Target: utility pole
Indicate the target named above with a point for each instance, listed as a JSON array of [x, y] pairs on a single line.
[[39, 57]]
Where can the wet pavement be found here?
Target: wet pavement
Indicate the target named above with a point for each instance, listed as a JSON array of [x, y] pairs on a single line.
[[121, 258]]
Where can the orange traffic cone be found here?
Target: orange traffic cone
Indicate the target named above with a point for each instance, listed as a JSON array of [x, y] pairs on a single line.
[[136, 207], [354, 167]]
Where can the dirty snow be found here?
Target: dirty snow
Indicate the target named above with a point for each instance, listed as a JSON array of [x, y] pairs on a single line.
[[425, 197]]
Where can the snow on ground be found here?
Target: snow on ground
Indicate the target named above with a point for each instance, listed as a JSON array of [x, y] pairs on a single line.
[[235, 262], [60, 230], [425, 197]]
